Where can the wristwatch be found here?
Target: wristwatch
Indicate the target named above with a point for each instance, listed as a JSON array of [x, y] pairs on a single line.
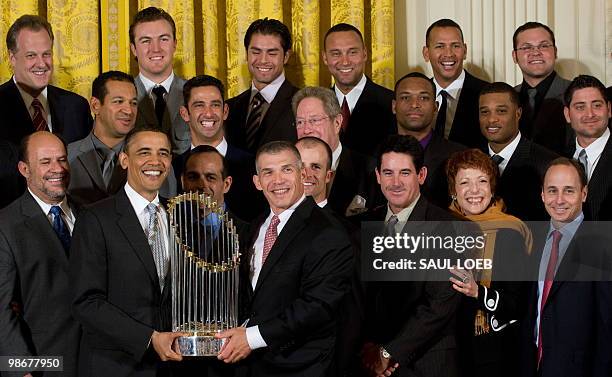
[[384, 353]]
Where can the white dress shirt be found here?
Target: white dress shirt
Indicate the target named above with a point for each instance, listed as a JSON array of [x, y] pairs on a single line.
[[506, 153], [454, 91], [221, 147], [593, 151], [353, 96], [67, 214]]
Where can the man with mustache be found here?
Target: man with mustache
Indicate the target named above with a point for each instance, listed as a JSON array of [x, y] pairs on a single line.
[[262, 113], [35, 235], [27, 101], [456, 89]]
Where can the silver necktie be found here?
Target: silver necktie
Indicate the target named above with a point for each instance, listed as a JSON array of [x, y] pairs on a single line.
[[156, 241]]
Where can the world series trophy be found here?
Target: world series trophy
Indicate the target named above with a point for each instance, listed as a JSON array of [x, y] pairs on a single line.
[[204, 264]]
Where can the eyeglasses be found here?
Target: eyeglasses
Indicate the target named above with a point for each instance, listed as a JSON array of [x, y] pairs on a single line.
[[314, 122], [531, 48]]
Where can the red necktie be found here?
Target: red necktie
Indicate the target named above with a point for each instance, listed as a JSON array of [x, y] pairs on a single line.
[[548, 281], [38, 120], [346, 114], [270, 238]]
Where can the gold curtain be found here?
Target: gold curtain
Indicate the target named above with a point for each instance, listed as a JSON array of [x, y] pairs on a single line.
[[91, 37]]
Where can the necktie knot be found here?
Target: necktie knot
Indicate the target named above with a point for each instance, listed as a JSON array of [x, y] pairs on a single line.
[[346, 114], [532, 92], [556, 237], [275, 221], [159, 91], [270, 238], [36, 104], [497, 159], [60, 227], [38, 118], [55, 211], [390, 227], [257, 100]]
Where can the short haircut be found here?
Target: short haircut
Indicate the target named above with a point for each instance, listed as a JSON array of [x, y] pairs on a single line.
[[202, 149], [98, 87], [325, 95], [151, 14], [443, 22], [417, 75], [342, 27], [269, 26], [470, 159], [501, 87], [405, 144], [27, 21], [146, 128], [200, 81], [25, 143], [564, 161], [310, 142], [582, 82], [276, 147], [531, 25]]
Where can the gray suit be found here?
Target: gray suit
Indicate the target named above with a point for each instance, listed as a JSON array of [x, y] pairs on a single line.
[[173, 124], [86, 183], [549, 128]]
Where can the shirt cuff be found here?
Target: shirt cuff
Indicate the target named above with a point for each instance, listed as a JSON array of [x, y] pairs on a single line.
[[254, 338]]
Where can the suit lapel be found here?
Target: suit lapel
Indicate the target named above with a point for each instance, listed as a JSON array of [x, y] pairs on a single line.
[[173, 100], [521, 153], [19, 107], [90, 163], [57, 115], [275, 110], [132, 231], [600, 175]]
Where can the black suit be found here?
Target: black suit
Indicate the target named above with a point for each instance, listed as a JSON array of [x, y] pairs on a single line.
[[465, 128], [598, 206], [520, 185], [371, 120], [117, 296], [12, 184], [277, 123], [576, 323], [34, 274], [435, 187], [70, 114], [296, 299], [415, 320]]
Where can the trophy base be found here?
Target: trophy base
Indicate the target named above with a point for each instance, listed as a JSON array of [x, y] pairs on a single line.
[[199, 345]]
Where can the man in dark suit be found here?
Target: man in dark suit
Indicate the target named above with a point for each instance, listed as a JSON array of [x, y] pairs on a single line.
[[415, 109], [351, 188], [34, 241], [160, 91], [297, 272], [27, 102], [567, 331], [456, 89], [262, 113], [366, 106], [95, 171], [119, 269], [410, 325], [12, 184], [588, 112], [521, 162], [541, 92], [205, 112]]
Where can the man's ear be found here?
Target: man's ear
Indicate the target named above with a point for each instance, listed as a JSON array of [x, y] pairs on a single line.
[[24, 169], [227, 184], [256, 182], [123, 160]]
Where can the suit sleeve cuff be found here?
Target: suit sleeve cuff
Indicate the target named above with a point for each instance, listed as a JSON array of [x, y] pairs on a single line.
[[254, 338]]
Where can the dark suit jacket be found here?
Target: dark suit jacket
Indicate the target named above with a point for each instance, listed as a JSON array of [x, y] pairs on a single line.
[[12, 184], [277, 123], [576, 323], [549, 127], [466, 125], [70, 114], [520, 185], [415, 320], [296, 299], [116, 294], [173, 125], [598, 206], [34, 274], [371, 120], [354, 176], [435, 187]]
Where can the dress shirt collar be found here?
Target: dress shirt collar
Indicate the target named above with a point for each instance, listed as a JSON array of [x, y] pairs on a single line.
[[149, 85], [453, 89], [322, 203], [568, 230], [353, 96], [269, 91], [336, 157], [27, 98], [595, 149], [506, 153], [404, 214], [46, 207], [139, 202], [221, 147]]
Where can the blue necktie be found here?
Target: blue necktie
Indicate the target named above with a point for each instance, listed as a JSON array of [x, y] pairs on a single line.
[[60, 227]]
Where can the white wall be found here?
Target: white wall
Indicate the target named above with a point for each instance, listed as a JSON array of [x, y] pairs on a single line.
[[583, 32]]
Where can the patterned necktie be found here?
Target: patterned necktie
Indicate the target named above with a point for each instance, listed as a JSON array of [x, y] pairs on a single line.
[[548, 281], [60, 228], [270, 238], [441, 119], [160, 104], [254, 120], [38, 120], [584, 161], [390, 226], [346, 114], [156, 239]]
